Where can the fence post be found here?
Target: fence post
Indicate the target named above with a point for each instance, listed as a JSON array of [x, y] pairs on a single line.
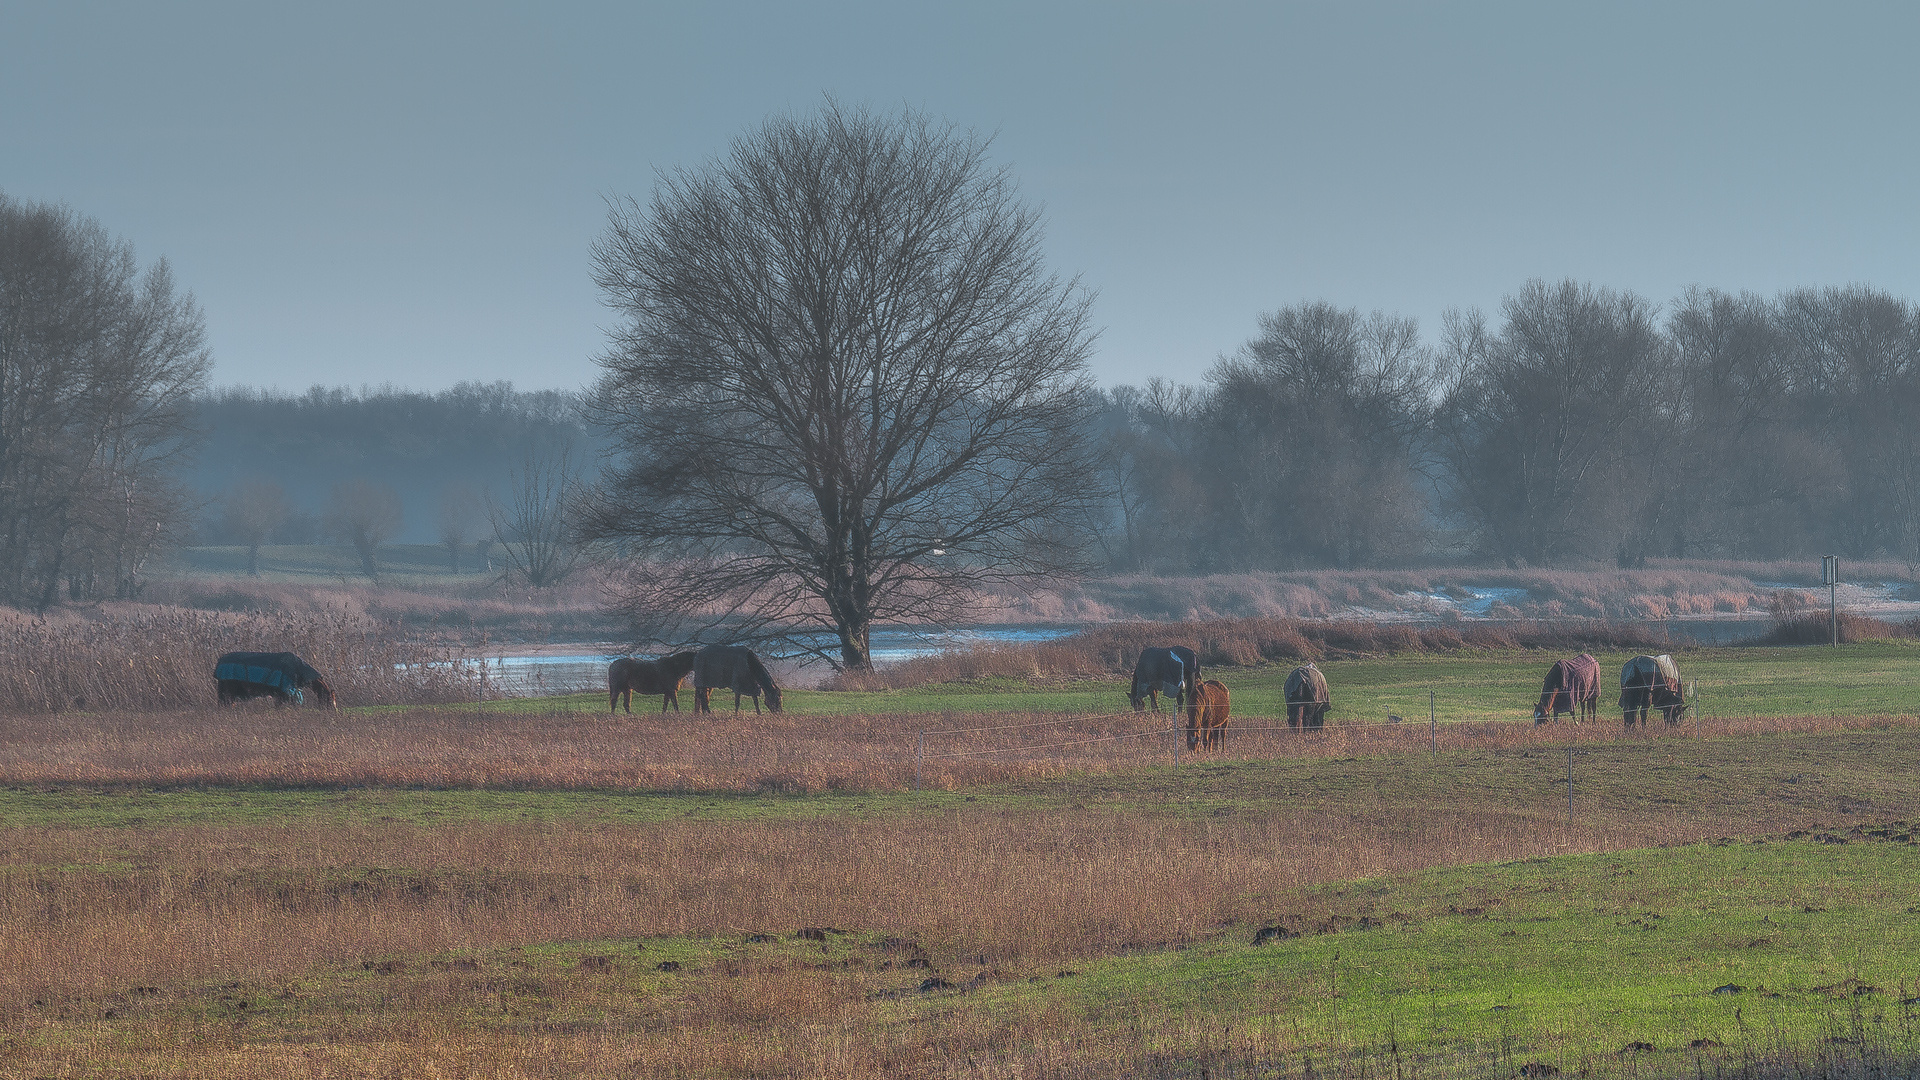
[[919, 755], [1174, 728], [1433, 725], [1569, 787]]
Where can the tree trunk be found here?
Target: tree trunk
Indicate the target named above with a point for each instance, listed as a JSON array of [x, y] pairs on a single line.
[[855, 651], [253, 560], [364, 546]]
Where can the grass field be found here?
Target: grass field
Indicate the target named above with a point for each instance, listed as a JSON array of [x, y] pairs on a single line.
[[536, 890], [1864, 679]]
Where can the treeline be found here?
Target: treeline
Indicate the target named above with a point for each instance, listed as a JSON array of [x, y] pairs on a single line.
[[99, 360], [1581, 424], [376, 465]]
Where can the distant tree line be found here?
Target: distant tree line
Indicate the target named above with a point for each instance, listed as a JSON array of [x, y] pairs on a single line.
[[365, 468], [1582, 423]]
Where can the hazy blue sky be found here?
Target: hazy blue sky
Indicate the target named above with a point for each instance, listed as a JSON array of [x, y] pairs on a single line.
[[406, 193]]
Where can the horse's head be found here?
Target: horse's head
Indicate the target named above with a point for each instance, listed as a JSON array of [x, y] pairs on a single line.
[[1137, 698], [773, 697], [324, 693]]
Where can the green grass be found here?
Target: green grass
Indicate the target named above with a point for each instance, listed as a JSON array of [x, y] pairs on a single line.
[[1834, 776], [322, 563], [1563, 960], [1871, 678], [1594, 964]]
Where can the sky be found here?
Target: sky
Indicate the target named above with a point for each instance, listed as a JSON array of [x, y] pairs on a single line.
[[398, 193]]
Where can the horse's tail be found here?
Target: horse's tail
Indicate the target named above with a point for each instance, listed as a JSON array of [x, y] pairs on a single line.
[[765, 679]]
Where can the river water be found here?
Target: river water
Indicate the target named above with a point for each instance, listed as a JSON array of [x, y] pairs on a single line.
[[570, 669]]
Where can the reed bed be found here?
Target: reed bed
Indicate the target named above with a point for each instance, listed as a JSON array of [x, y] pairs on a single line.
[[1112, 649], [162, 658], [1818, 628]]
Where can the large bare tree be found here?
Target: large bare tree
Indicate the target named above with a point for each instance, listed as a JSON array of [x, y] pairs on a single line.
[[845, 386], [98, 363]]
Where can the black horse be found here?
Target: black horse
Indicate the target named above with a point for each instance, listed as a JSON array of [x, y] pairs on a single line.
[[281, 676], [1172, 670], [732, 667], [663, 676]]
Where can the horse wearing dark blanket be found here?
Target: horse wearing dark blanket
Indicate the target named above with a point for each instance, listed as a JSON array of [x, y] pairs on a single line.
[[281, 676], [1172, 670], [1307, 698], [627, 675], [732, 667], [1650, 682], [1572, 687]]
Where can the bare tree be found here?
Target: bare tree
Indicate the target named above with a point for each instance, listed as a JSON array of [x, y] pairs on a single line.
[[1545, 428], [98, 362], [846, 389], [365, 515], [534, 524], [461, 513], [1316, 420], [254, 509]]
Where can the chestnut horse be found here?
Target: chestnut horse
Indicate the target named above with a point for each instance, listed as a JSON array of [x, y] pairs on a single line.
[[663, 676], [1572, 687], [1207, 715]]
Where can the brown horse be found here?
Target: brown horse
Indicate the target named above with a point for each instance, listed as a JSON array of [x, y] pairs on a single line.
[[732, 667], [1307, 698], [1207, 707], [1572, 687], [663, 676]]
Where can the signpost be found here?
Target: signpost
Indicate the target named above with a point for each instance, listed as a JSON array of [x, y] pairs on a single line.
[[1830, 577]]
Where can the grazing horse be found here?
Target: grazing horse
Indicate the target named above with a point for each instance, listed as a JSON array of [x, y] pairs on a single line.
[[1207, 715], [1572, 687], [280, 675], [732, 667], [1169, 670], [663, 676], [1307, 698], [1650, 682]]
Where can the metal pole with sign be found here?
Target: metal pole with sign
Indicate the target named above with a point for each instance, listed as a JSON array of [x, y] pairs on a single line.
[[1830, 577]]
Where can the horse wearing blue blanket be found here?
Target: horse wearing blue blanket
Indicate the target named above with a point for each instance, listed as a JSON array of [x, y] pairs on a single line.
[[281, 676]]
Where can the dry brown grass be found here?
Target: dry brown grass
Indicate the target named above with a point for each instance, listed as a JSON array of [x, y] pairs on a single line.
[[459, 607], [145, 945], [146, 658], [1815, 628], [784, 753], [1663, 588]]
